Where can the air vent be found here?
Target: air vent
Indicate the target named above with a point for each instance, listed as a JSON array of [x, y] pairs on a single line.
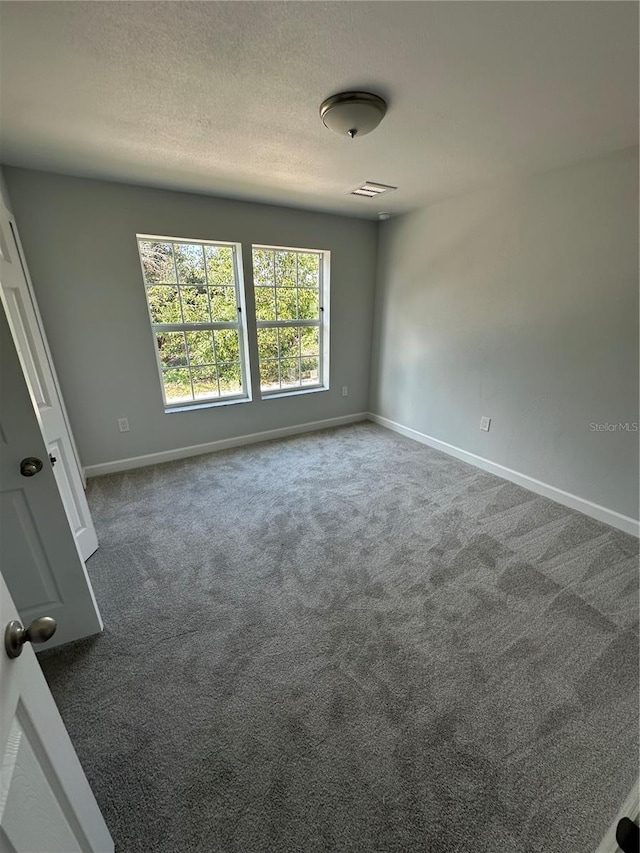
[[371, 190]]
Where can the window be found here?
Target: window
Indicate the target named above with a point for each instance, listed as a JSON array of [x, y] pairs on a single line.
[[291, 290], [196, 308]]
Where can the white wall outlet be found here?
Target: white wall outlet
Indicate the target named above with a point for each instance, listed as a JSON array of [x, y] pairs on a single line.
[[123, 424], [345, 391], [485, 423]]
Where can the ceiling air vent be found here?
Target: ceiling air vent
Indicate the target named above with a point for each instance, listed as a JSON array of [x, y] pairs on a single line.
[[372, 190]]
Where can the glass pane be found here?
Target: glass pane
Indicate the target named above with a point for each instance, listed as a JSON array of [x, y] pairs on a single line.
[[308, 270], [230, 379], [227, 345], [265, 303], [268, 344], [223, 304], [310, 340], [172, 349], [220, 271], [157, 262], [200, 347], [310, 373], [309, 304], [287, 304], [205, 382], [195, 304], [164, 304], [286, 269], [289, 343], [262, 267], [290, 372], [177, 386], [269, 375], [190, 263]]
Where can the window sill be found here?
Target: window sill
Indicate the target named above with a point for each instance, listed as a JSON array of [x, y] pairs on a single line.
[[209, 404], [298, 392]]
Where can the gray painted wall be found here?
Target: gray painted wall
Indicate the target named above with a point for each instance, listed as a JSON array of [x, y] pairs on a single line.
[[79, 239], [520, 304]]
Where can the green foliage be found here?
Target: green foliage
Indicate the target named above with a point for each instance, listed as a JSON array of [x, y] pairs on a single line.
[[285, 269], [284, 345], [265, 303], [185, 263], [289, 371], [200, 346], [219, 262], [195, 304], [191, 283], [308, 270], [287, 287], [212, 355], [189, 263], [223, 304], [164, 304], [157, 262], [310, 344], [263, 267]]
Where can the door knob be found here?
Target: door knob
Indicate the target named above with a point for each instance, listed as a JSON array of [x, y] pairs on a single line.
[[30, 466], [627, 835], [16, 635]]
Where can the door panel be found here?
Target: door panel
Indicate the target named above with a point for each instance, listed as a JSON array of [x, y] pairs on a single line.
[[41, 560], [17, 311], [31, 803], [46, 804], [26, 327], [36, 587]]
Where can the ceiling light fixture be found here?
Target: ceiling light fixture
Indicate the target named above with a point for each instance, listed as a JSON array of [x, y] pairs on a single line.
[[353, 113]]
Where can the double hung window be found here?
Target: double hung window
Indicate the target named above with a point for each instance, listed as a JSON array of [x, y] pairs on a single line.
[[196, 309], [196, 300], [289, 289]]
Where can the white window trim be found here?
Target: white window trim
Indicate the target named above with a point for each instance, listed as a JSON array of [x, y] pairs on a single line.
[[323, 325], [240, 324]]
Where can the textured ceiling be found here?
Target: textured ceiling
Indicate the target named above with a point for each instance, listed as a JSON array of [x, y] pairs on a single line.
[[223, 97]]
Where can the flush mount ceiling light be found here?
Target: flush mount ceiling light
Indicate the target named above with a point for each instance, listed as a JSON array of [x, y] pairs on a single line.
[[352, 113]]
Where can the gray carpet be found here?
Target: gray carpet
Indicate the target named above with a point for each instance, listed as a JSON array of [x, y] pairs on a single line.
[[346, 641]]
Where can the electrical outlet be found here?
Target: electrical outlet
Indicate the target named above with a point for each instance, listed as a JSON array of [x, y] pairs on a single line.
[[345, 391], [485, 423], [123, 424]]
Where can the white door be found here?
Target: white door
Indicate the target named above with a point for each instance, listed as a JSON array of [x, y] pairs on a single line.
[[46, 804], [26, 327], [42, 566]]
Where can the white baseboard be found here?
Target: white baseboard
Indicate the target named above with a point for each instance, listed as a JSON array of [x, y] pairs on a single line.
[[601, 513], [222, 444]]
